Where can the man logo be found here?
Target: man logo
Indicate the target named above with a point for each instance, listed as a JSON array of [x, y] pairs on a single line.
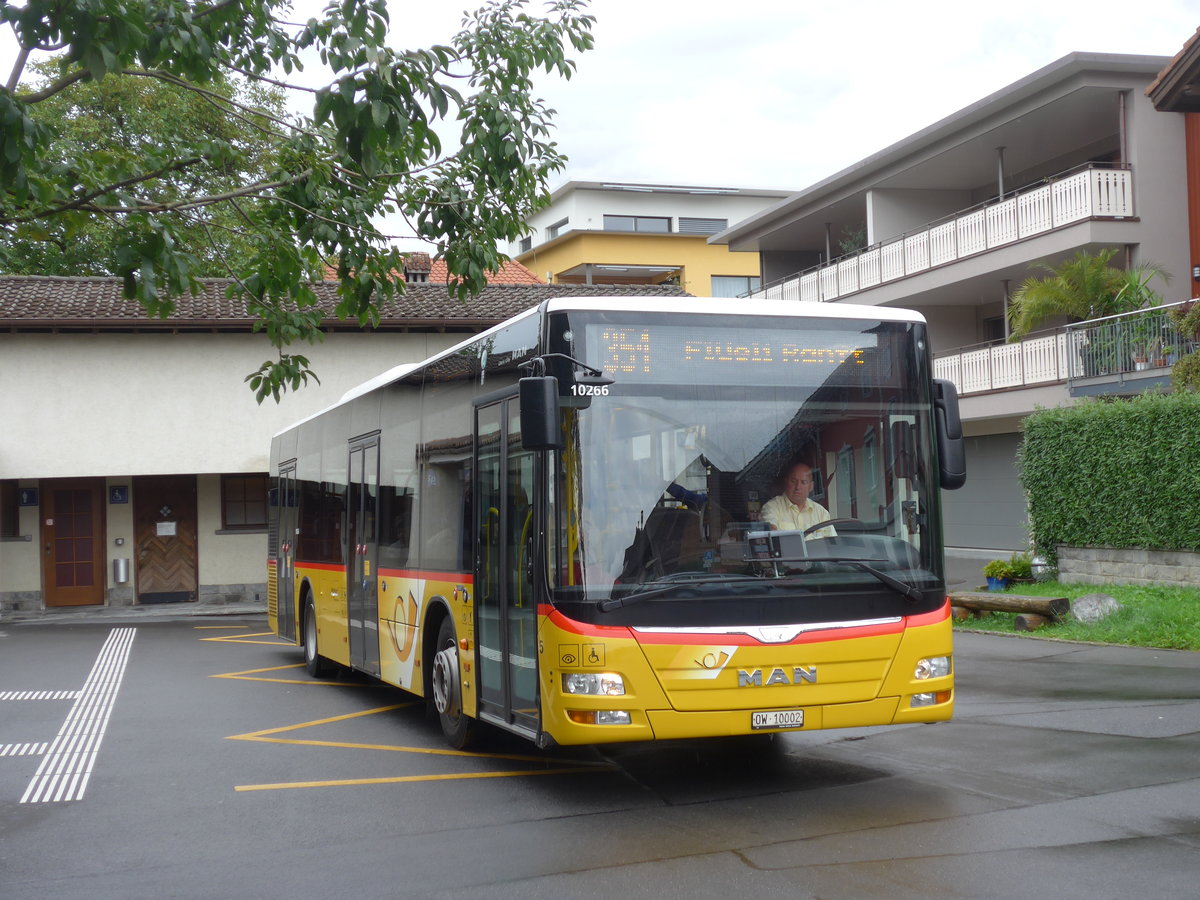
[[799, 675]]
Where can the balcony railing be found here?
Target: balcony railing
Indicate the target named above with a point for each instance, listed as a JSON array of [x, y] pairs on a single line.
[[1088, 193], [1097, 349]]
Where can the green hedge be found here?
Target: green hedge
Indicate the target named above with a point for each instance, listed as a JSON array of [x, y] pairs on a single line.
[[1114, 473]]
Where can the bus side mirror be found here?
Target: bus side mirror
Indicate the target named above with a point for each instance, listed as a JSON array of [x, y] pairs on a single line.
[[952, 453], [541, 424]]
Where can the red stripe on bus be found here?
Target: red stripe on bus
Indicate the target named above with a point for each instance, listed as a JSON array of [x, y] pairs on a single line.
[[818, 635], [323, 567]]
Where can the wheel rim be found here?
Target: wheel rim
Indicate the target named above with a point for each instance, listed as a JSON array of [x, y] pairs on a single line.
[[445, 681], [310, 638]]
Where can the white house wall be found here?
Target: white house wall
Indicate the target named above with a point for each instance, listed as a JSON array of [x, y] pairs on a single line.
[[891, 213], [585, 208], [166, 404]]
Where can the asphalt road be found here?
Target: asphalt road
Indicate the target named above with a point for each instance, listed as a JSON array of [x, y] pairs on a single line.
[[218, 769]]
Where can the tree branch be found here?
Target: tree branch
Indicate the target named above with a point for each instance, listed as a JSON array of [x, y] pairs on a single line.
[[51, 89]]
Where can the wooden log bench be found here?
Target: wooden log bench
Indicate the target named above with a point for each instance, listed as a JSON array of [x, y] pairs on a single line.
[[1033, 612]]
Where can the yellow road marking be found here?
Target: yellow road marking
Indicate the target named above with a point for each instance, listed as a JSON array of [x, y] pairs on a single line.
[[267, 736], [244, 638], [218, 627], [248, 673], [400, 779]]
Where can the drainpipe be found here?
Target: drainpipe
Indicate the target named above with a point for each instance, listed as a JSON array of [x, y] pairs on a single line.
[[828, 256], [1000, 177], [1007, 334], [1122, 126]]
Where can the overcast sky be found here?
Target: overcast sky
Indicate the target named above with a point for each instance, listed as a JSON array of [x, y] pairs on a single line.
[[783, 93]]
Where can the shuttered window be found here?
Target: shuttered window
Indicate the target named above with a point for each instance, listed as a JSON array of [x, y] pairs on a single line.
[[689, 225]]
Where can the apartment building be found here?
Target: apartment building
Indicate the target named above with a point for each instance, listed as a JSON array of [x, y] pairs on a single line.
[[611, 233], [1075, 156]]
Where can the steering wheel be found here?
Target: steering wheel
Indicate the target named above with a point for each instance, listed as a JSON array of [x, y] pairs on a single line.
[[834, 522]]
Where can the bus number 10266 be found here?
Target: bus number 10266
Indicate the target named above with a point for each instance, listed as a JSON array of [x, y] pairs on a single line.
[[589, 390]]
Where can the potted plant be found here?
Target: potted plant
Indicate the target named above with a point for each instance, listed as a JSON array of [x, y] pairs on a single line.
[[999, 573], [1186, 319], [1022, 567]]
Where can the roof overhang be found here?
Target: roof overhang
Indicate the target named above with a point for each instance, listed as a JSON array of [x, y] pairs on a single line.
[[960, 151], [1177, 88]]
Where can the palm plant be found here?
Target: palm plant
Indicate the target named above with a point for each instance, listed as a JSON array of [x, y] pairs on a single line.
[[1085, 286]]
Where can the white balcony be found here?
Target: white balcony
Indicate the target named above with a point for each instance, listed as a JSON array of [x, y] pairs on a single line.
[[1034, 361], [1087, 194], [1097, 353]]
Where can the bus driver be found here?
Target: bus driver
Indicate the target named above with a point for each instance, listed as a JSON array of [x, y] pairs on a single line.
[[792, 510]]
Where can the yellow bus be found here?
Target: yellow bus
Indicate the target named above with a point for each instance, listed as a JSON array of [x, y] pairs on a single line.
[[567, 526]]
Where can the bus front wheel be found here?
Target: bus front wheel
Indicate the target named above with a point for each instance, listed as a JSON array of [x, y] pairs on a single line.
[[458, 727], [315, 664]]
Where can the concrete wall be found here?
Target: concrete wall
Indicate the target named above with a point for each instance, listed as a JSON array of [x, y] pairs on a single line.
[[115, 406], [585, 209], [93, 404], [891, 213], [1106, 565]]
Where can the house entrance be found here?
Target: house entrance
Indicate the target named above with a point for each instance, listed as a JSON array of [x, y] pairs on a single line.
[[164, 526], [73, 541]]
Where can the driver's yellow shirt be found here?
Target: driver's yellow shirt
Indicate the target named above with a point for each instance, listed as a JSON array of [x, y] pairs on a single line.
[[787, 516]]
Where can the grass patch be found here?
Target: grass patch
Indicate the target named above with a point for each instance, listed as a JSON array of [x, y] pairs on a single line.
[[1153, 616]]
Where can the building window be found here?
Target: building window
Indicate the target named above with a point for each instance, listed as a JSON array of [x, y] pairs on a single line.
[[691, 225], [734, 285], [993, 329], [526, 245], [655, 224], [244, 501], [556, 229], [10, 519]]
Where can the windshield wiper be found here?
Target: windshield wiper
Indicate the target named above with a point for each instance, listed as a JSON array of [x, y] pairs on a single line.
[[658, 589], [863, 565]]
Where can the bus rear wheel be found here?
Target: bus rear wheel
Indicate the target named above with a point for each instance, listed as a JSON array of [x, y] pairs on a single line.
[[458, 727], [315, 664]]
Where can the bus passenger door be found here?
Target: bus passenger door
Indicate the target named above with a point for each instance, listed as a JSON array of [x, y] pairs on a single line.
[[285, 552], [505, 603], [362, 509]]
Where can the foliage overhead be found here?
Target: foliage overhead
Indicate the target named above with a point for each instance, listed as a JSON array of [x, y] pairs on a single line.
[[309, 189], [1086, 286], [132, 118]]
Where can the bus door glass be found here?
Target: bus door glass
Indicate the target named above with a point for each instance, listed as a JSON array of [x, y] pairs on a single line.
[[285, 553], [362, 536], [505, 604]]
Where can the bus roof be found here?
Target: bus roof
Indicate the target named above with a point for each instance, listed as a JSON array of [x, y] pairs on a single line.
[[740, 306], [702, 305]]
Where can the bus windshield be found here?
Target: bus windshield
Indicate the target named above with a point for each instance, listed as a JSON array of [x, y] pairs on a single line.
[[665, 496]]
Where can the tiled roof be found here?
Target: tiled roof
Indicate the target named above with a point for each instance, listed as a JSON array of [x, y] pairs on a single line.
[[40, 302], [511, 272], [1173, 89]]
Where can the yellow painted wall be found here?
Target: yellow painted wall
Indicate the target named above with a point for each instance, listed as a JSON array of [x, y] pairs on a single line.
[[698, 259]]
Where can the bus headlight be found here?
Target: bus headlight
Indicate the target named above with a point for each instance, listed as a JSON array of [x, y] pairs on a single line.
[[929, 699], [600, 716], [932, 667], [605, 683]]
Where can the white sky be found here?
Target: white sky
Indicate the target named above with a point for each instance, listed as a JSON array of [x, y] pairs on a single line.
[[783, 93]]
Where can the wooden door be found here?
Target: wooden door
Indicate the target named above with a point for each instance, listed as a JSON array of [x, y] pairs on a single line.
[[73, 541], [164, 525]]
